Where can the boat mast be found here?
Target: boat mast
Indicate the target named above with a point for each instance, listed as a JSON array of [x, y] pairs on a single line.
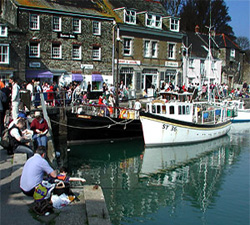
[[209, 55]]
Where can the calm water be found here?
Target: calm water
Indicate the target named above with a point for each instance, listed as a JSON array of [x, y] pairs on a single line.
[[204, 183]]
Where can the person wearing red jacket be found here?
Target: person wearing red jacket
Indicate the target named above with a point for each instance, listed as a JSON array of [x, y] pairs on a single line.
[[40, 127]]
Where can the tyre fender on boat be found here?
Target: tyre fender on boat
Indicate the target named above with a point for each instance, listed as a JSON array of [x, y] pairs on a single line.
[[124, 114]]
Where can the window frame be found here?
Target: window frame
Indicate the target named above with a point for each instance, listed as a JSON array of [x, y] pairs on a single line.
[[37, 22], [38, 50], [55, 46], [128, 17], [127, 47], [173, 25], [3, 31], [59, 24], [94, 50], [150, 51], [79, 52], [232, 53], [79, 30], [4, 55], [153, 21], [96, 28], [173, 54]]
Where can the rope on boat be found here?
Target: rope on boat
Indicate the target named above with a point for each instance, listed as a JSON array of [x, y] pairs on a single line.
[[98, 127]]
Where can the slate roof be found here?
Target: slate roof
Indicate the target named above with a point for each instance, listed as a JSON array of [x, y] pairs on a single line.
[[197, 40], [10, 26], [90, 7], [140, 5], [225, 42]]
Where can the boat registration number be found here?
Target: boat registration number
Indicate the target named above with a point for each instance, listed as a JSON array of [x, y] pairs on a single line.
[[166, 127]]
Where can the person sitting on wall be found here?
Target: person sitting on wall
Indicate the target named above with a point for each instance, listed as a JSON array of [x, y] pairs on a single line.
[[18, 141], [40, 127], [33, 171]]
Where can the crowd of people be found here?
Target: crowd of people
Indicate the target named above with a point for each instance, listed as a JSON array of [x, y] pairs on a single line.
[[74, 93]]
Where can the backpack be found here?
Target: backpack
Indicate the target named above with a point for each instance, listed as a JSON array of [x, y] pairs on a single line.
[[5, 142]]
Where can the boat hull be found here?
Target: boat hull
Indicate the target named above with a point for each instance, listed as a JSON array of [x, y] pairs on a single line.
[[159, 130], [242, 117], [88, 128]]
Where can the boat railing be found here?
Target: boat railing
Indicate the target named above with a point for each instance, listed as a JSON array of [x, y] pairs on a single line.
[[106, 111]]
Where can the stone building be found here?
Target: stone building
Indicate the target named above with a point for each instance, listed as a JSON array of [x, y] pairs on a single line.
[[148, 45], [232, 60], [12, 50], [63, 40]]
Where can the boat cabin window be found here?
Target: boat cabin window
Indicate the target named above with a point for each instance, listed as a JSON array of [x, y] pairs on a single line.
[[164, 109], [158, 108], [183, 110], [153, 109], [171, 109]]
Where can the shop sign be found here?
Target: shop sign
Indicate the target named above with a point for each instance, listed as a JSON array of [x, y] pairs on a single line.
[[171, 64], [87, 66], [35, 64]]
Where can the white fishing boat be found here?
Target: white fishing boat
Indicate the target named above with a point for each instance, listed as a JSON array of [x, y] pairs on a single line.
[[177, 119], [242, 114]]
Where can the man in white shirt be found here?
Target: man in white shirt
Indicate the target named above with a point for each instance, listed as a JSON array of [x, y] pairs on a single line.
[[15, 98], [30, 87], [33, 171]]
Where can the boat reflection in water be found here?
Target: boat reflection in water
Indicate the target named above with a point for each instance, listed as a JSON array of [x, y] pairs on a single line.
[[175, 184], [161, 159]]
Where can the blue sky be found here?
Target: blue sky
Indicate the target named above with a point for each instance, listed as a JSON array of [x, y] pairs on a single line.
[[239, 10]]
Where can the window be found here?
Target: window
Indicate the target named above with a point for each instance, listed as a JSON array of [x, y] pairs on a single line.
[[127, 46], [232, 53], [34, 22], [150, 49], [56, 51], [130, 16], [153, 21], [171, 51], [34, 50], [96, 28], [191, 63], [171, 109], [146, 49], [154, 49], [96, 53], [4, 53], [76, 26], [76, 52], [174, 24], [3, 31], [57, 23]]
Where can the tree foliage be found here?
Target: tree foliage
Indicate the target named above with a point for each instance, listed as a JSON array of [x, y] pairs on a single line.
[[243, 43], [173, 7], [197, 12]]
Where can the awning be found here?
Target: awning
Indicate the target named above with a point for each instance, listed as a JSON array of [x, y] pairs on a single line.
[[77, 77], [38, 74], [97, 77]]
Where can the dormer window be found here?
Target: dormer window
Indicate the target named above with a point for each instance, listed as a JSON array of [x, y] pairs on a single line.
[[153, 21], [130, 16], [174, 24], [3, 31]]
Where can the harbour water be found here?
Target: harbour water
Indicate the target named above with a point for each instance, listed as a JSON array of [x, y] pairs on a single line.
[[206, 183]]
